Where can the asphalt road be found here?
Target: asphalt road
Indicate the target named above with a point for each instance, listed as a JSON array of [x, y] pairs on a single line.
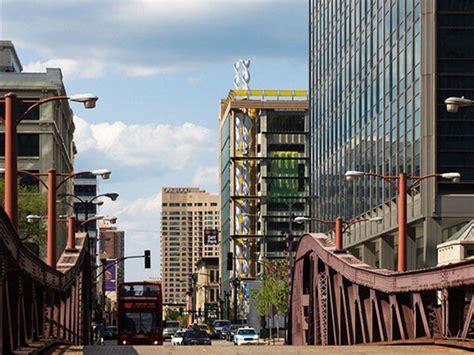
[[222, 347]]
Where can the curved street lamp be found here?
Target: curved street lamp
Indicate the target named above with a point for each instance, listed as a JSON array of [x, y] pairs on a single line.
[[52, 186], [71, 221], [11, 121], [340, 226], [400, 184], [112, 195]]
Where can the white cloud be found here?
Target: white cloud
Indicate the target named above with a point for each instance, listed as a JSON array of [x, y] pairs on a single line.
[[71, 68], [171, 147], [206, 176]]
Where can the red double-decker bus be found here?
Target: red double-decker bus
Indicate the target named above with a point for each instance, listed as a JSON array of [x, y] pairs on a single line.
[[140, 308]]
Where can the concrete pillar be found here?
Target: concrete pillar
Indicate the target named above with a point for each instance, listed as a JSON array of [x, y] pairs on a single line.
[[432, 231], [387, 253], [367, 253], [411, 248]]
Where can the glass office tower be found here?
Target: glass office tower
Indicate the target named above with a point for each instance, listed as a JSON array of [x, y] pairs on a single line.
[[379, 73]]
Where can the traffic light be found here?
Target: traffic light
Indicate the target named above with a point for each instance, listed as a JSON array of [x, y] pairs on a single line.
[[301, 178], [230, 261], [147, 259]]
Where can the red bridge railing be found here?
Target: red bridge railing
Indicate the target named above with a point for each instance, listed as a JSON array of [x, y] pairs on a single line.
[[339, 300], [40, 305]]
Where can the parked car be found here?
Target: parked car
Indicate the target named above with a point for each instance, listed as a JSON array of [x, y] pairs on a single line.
[[177, 338], [232, 330], [169, 328], [205, 328], [109, 332], [217, 327], [195, 337], [246, 336], [225, 331]]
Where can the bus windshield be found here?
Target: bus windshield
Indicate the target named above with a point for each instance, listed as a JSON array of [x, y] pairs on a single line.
[[140, 290], [139, 323]]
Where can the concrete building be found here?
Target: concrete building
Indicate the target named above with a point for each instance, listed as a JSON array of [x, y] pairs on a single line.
[[185, 215], [207, 289], [45, 136], [112, 246], [379, 74], [263, 165]]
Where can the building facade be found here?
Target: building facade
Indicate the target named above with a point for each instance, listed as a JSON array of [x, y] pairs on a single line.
[[45, 136], [208, 301], [264, 158], [379, 74], [85, 188], [185, 215], [111, 250]]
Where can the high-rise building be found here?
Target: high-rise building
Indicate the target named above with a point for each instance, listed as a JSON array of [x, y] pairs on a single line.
[[45, 136], [264, 157], [186, 213], [379, 74]]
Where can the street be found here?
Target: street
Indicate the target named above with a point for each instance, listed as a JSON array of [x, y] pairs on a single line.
[[221, 347]]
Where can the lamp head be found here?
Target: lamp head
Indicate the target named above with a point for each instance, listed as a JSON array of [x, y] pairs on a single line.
[[454, 103], [104, 173], [33, 218], [110, 219], [89, 100], [98, 203], [352, 174], [113, 196], [2, 170], [454, 177], [301, 219], [376, 219]]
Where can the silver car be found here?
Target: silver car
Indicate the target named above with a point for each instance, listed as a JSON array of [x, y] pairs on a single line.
[[170, 328]]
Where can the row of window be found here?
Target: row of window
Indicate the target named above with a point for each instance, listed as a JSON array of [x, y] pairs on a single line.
[[188, 204]]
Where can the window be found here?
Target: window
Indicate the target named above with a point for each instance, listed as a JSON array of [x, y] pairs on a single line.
[[21, 107], [88, 190], [27, 144], [285, 122]]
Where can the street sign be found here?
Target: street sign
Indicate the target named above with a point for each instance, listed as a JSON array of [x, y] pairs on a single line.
[[211, 236], [211, 311]]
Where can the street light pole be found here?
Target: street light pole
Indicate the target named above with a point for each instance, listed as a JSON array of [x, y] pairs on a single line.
[[11, 171], [402, 222], [52, 217], [338, 234]]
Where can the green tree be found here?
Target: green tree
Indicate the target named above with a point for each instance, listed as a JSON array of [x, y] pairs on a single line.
[[173, 314], [30, 201], [272, 297]]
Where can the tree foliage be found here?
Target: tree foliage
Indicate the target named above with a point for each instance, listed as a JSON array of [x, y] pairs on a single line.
[[30, 201], [273, 291]]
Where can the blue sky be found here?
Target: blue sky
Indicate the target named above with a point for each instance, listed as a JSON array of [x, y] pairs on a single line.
[[159, 68]]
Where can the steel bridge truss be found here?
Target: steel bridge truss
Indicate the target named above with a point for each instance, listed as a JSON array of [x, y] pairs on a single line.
[[339, 300], [39, 305]]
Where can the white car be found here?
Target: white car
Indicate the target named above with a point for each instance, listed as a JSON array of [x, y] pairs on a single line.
[[177, 338], [246, 336]]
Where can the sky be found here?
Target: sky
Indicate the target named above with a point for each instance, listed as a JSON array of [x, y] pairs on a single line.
[[159, 68]]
